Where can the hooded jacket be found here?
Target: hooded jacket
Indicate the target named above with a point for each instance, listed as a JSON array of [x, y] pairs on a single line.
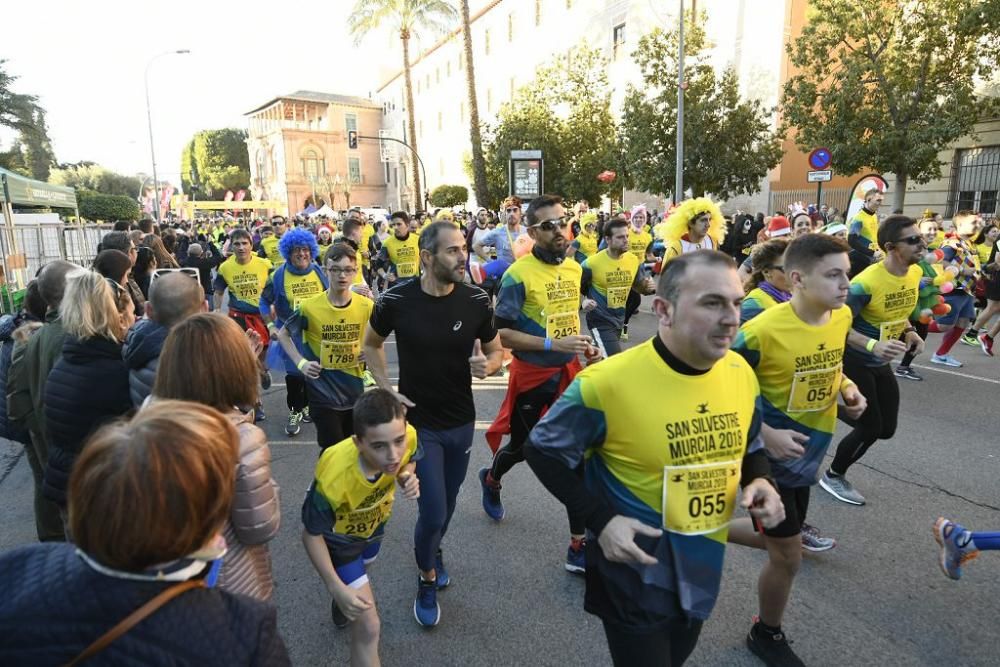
[[141, 353]]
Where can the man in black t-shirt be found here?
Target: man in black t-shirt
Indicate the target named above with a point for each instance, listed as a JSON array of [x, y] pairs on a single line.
[[444, 336]]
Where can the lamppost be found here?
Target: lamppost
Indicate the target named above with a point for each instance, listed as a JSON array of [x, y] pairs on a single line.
[[149, 121]]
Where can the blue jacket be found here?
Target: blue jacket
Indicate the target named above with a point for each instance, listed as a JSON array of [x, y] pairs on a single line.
[[141, 353], [55, 605], [87, 387]]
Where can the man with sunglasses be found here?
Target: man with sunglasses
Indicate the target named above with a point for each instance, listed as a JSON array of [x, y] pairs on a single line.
[[322, 338], [297, 279], [881, 298], [537, 314], [270, 237]]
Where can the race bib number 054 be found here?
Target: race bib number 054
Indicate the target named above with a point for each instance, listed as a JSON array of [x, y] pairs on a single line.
[[699, 499], [813, 391]]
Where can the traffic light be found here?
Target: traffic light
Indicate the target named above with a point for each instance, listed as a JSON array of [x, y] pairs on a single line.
[[352, 139]]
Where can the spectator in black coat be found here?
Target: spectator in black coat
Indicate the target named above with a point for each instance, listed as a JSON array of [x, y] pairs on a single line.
[[88, 385], [147, 502], [198, 258]]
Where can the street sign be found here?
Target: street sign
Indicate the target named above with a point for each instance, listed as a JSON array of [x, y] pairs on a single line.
[[820, 158], [386, 149], [526, 174], [820, 176]]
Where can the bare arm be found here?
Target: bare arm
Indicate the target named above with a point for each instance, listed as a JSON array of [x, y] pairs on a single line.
[[494, 355], [374, 347]]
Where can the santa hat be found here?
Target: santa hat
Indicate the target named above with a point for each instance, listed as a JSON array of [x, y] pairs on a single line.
[[778, 226], [326, 227]]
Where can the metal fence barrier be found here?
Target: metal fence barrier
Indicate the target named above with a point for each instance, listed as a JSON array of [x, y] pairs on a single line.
[[780, 200]]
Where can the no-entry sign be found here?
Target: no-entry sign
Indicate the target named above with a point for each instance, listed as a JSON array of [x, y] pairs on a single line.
[[820, 158]]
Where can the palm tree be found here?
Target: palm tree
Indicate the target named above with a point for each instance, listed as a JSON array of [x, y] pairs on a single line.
[[478, 163], [405, 18]]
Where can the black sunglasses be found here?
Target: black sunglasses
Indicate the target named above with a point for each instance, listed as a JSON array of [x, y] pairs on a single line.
[[550, 225], [916, 239]]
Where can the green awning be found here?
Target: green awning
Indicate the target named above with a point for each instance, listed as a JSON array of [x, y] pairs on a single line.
[[23, 191]]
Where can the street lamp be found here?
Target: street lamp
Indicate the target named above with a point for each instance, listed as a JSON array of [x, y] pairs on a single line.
[[149, 121]]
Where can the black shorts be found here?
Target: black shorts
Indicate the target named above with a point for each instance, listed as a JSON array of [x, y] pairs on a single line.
[[993, 287], [796, 502]]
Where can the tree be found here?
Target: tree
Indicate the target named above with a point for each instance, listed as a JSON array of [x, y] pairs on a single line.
[[405, 18], [475, 132], [566, 113], [38, 154], [729, 145], [13, 160], [94, 177], [15, 109], [446, 196], [219, 161], [888, 85], [107, 208]]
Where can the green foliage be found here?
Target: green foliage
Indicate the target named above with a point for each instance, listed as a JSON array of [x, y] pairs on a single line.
[[95, 206], [94, 177], [38, 154], [15, 109], [888, 85], [728, 143], [566, 113], [13, 160], [449, 195], [219, 161]]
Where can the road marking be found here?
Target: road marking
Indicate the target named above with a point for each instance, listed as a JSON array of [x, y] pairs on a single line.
[[961, 375]]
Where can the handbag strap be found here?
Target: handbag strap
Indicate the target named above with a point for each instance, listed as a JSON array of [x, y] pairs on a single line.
[[132, 619]]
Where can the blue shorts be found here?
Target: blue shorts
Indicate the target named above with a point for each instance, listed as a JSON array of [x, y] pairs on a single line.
[[353, 573], [963, 307]]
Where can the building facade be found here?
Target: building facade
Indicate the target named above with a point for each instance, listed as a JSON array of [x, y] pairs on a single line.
[[299, 152]]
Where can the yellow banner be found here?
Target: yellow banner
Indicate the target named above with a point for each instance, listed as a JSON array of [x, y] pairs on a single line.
[[235, 205]]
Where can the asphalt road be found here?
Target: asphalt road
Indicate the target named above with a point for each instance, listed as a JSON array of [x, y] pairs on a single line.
[[877, 599]]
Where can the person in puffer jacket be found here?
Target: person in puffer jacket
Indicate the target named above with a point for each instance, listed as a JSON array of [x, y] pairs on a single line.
[[88, 385], [173, 298], [230, 385]]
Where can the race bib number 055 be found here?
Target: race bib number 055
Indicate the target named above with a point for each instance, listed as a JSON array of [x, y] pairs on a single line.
[[699, 499]]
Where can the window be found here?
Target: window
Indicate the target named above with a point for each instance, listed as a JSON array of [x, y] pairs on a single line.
[[420, 129], [447, 68], [312, 164], [387, 173], [618, 39], [461, 111], [510, 27], [511, 88], [975, 181], [437, 75], [441, 167], [440, 121], [351, 121], [569, 4], [486, 41], [354, 169], [538, 13], [489, 100], [461, 61], [427, 81], [418, 86]]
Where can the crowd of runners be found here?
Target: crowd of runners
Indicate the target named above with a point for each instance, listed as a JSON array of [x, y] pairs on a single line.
[[135, 385]]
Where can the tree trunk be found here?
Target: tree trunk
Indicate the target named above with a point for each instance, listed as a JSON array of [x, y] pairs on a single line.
[[478, 162], [899, 194], [411, 121]]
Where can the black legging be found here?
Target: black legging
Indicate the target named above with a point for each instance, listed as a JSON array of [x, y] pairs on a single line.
[[332, 425], [922, 332], [632, 304], [295, 397], [528, 409], [668, 647], [878, 385]]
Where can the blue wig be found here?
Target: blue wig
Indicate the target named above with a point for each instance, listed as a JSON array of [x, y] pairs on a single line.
[[296, 238]]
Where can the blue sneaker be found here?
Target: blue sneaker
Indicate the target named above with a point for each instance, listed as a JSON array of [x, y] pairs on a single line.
[[946, 360], [425, 607], [443, 578], [491, 496], [258, 414], [957, 547], [576, 559]]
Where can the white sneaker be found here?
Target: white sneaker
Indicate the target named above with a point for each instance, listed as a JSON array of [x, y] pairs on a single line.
[[946, 360]]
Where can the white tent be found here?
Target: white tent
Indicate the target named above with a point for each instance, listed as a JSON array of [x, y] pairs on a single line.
[[324, 210]]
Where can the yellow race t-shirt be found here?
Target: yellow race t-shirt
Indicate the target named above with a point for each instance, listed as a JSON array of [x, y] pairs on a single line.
[[882, 304], [404, 254], [270, 248], [610, 282], [244, 282]]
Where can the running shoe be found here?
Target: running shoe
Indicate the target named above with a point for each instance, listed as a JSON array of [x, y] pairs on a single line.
[[339, 619], [258, 413], [946, 360], [813, 541], [624, 334], [491, 496], [368, 378], [576, 559], [443, 578], [907, 373], [292, 426], [986, 343], [969, 339], [425, 606], [773, 649], [265, 380], [957, 547], [305, 415], [841, 489]]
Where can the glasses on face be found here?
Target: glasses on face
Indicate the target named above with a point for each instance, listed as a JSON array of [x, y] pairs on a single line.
[[916, 239], [341, 270], [189, 271], [302, 250], [550, 225]]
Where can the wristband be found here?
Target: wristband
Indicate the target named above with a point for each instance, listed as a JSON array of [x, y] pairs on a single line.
[[272, 327], [548, 344], [909, 330], [871, 344], [302, 362]]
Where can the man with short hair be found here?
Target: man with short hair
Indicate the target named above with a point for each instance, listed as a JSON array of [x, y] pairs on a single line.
[[121, 241], [29, 369], [173, 297], [655, 498], [862, 232], [205, 262], [444, 337], [399, 259], [537, 315], [269, 243], [503, 237]]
